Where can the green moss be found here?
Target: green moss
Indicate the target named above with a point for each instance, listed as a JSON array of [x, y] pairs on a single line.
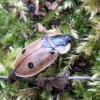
[[16, 33]]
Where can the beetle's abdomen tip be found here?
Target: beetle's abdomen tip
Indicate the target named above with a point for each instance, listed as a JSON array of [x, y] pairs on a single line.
[[12, 78]]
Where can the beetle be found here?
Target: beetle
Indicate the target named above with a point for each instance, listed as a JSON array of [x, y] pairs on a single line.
[[38, 55]]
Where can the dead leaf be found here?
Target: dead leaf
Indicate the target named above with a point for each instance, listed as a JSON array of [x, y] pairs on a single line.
[[82, 64], [28, 2], [49, 87], [41, 28], [40, 13], [60, 82], [55, 22], [41, 83], [35, 11], [54, 5]]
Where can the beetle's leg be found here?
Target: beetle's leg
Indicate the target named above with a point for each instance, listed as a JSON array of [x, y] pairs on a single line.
[[74, 53], [52, 51], [58, 58], [35, 77], [44, 70], [69, 28]]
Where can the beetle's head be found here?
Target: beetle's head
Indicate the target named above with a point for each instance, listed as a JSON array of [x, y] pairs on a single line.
[[12, 77], [70, 38]]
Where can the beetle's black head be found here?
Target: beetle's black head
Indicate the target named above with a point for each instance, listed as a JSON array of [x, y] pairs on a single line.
[[70, 38], [12, 77]]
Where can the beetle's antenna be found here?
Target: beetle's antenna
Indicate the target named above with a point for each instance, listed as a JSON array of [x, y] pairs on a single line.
[[82, 40], [69, 20]]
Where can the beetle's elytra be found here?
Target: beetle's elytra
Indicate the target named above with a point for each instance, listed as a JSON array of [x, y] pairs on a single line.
[[39, 55]]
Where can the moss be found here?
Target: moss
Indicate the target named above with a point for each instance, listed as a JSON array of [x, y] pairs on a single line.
[[16, 33]]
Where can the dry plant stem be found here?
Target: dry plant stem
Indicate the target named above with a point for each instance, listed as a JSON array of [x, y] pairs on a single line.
[[89, 78], [4, 78], [52, 78]]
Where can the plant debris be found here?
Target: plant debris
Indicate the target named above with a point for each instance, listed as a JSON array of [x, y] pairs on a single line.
[[58, 82]]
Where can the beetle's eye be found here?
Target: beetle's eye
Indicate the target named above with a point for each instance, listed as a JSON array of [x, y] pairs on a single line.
[[23, 51], [30, 65], [69, 41]]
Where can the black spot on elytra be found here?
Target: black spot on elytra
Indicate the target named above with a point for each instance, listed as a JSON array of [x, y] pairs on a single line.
[[30, 65], [23, 51], [52, 51]]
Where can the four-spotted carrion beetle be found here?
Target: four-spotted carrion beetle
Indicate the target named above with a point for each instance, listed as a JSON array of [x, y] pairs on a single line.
[[39, 55]]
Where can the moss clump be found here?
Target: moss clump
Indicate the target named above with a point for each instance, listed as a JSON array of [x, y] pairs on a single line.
[[16, 33]]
